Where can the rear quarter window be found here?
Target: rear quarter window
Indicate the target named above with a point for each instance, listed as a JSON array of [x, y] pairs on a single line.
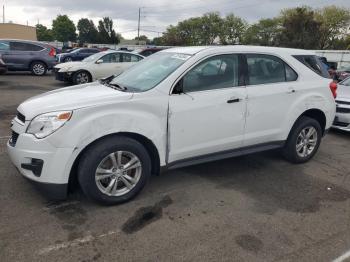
[[314, 63], [19, 46]]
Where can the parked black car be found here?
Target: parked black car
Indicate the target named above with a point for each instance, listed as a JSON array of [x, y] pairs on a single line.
[[21, 55], [3, 67], [76, 55]]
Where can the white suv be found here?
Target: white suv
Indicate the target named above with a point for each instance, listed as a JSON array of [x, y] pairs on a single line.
[[178, 107]]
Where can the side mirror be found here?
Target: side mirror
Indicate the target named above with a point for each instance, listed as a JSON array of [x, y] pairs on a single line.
[[100, 61], [178, 88]]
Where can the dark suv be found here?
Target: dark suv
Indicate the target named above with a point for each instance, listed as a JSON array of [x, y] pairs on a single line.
[[77, 54], [22, 55]]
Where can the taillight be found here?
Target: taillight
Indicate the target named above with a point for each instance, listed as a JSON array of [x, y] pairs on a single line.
[[333, 86], [52, 52]]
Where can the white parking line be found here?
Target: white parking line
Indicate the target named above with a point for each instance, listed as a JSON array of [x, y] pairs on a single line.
[[342, 257], [74, 242]]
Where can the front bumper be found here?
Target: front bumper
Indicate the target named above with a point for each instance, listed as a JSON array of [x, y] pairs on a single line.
[[342, 118], [41, 162], [63, 76]]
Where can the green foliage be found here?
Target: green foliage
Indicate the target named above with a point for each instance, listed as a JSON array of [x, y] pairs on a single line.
[[300, 29], [43, 34], [143, 38], [107, 35], [87, 31], [265, 32], [334, 28], [63, 29], [232, 30]]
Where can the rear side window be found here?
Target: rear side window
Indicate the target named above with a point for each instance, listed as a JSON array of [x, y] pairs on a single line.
[[18, 46], [131, 58], [266, 69], [314, 63]]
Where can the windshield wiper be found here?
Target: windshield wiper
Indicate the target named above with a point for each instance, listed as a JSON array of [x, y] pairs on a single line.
[[116, 86]]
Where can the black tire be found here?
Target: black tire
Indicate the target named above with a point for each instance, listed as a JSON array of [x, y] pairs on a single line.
[[38, 68], [91, 159], [67, 59], [290, 149], [78, 76]]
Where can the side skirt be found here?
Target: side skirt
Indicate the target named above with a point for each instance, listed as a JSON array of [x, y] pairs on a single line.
[[225, 154]]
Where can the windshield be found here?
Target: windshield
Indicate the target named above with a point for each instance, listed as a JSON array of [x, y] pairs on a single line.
[[92, 58], [150, 72]]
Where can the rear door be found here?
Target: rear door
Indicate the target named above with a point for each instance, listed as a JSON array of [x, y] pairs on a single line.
[[272, 87], [21, 54]]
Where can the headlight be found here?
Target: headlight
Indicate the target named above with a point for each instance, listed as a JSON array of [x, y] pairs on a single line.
[[43, 125]]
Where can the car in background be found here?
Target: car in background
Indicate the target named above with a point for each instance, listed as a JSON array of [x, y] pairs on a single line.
[[147, 51], [343, 71], [97, 66], [342, 116], [3, 67], [77, 54], [22, 55]]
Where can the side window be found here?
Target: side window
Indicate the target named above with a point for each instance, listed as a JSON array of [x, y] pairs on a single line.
[[18, 46], [314, 63], [135, 58], [267, 69], [213, 73], [111, 58], [4, 45]]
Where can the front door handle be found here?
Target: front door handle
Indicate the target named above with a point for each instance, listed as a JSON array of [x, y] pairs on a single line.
[[233, 100], [291, 91]]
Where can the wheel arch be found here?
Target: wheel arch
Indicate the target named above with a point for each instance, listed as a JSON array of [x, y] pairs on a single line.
[[147, 143], [316, 114]]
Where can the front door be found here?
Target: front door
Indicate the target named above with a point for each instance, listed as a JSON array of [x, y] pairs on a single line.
[[209, 115]]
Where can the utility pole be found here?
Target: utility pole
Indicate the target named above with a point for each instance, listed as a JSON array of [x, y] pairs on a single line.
[[3, 14], [138, 27]]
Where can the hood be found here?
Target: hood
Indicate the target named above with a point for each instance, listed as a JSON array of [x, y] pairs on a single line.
[[69, 65], [343, 92], [71, 98]]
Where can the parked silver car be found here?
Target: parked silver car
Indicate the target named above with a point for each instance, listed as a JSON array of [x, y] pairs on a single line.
[[21, 55], [342, 117]]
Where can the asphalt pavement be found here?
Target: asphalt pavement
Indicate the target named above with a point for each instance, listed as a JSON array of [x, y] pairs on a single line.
[[253, 208]]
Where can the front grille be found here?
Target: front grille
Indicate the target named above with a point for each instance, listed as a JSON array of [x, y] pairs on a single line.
[[342, 102], [13, 139], [21, 117], [343, 110]]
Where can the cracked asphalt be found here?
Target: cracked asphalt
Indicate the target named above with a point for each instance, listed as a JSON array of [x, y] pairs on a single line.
[[252, 208]]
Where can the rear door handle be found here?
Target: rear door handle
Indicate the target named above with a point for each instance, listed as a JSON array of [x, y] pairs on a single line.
[[233, 100]]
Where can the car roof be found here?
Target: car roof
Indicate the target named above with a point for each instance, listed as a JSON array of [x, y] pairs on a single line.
[[118, 51], [238, 48], [24, 41]]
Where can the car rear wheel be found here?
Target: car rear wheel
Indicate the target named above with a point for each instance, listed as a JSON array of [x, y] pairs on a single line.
[[81, 77], [114, 170], [303, 141], [38, 68]]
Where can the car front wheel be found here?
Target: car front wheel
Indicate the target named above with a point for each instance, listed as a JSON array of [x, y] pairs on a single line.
[[303, 141], [114, 170], [81, 77]]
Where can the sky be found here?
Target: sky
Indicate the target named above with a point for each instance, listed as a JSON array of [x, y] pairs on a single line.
[[156, 15]]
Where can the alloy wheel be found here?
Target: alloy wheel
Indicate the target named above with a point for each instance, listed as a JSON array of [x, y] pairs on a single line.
[[306, 141], [38, 69], [118, 173]]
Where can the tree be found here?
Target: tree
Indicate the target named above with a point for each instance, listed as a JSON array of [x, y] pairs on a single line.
[[266, 33], [335, 23], [107, 35], [63, 29], [87, 31], [211, 24], [43, 34], [232, 30], [143, 38], [299, 28]]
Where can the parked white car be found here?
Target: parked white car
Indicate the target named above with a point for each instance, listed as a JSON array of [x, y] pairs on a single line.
[[178, 107], [97, 66], [342, 116]]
